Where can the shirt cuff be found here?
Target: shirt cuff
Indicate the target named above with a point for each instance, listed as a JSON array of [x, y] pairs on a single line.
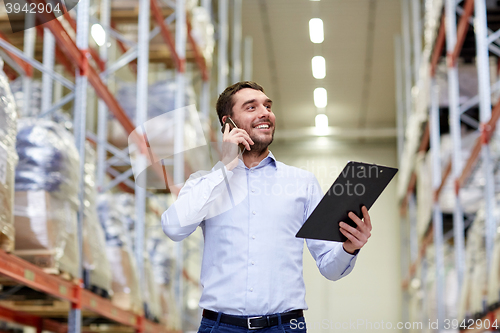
[[349, 254]]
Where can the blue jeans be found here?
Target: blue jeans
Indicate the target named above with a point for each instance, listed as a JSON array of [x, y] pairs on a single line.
[[211, 326]]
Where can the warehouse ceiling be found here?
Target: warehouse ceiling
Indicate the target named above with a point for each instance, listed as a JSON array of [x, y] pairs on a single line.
[[359, 52]]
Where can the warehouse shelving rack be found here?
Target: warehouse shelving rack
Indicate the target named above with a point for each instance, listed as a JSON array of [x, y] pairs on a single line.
[[455, 36], [76, 54]]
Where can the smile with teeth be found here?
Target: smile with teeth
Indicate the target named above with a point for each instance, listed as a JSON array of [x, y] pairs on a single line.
[[262, 126]]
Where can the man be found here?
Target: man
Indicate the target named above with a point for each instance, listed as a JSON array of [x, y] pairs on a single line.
[[250, 209]]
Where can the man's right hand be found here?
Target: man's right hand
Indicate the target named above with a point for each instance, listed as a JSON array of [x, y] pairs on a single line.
[[231, 139]]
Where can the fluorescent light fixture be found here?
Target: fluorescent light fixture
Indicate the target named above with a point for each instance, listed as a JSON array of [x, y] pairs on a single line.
[[316, 30], [318, 67], [320, 98], [321, 122], [98, 34]]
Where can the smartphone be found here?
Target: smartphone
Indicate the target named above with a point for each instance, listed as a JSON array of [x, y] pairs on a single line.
[[231, 125]]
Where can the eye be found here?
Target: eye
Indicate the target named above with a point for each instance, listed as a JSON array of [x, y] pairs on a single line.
[[251, 107]]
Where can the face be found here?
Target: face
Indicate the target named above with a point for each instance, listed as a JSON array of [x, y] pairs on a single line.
[[252, 112]]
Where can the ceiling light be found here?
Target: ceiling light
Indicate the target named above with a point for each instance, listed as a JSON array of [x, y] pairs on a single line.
[[316, 30], [320, 98], [318, 67], [98, 34], [321, 122]]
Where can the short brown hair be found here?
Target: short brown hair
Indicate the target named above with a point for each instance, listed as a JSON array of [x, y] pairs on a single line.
[[225, 101]]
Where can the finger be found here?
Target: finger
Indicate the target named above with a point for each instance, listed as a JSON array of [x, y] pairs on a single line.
[[367, 218], [245, 135], [350, 237], [358, 221], [226, 129], [243, 138], [355, 232]]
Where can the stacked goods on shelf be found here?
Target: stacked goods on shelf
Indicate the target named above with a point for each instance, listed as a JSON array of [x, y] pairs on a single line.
[[8, 160], [474, 289], [162, 253], [160, 248], [35, 99], [97, 275], [424, 193], [161, 131], [152, 307], [451, 296], [494, 273], [203, 32], [429, 286], [417, 303], [125, 280], [471, 194], [161, 99], [415, 306], [467, 76], [422, 289], [46, 200], [152, 300]]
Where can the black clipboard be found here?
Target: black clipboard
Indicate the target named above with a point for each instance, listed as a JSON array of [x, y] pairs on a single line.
[[359, 184]]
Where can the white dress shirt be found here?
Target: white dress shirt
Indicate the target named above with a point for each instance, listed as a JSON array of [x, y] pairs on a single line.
[[252, 261]]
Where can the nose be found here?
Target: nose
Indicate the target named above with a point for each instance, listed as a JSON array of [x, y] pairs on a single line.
[[263, 111]]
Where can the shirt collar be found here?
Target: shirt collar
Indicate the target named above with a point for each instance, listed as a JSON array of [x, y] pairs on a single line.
[[267, 160]]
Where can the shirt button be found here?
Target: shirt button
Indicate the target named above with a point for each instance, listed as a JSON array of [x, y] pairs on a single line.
[[220, 176], [253, 190], [254, 212], [251, 171], [251, 289], [253, 263], [253, 237]]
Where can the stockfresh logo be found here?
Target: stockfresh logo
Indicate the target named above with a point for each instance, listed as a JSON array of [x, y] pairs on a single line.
[[27, 14]]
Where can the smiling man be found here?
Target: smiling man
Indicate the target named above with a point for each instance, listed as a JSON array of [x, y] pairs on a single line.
[[252, 262]]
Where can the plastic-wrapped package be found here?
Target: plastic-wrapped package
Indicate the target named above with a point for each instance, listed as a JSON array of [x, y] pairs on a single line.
[[429, 285], [8, 161], [170, 313], [125, 282], [46, 231], [471, 194], [203, 32], [160, 248], [494, 273], [451, 296], [424, 193], [474, 288], [45, 204], [48, 159], [161, 99], [95, 261], [35, 99], [161, 251], [151, 296]]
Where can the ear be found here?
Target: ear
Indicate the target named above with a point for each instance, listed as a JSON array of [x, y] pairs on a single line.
[[224, 119]]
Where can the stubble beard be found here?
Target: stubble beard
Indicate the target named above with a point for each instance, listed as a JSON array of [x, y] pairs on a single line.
[[259, 146]]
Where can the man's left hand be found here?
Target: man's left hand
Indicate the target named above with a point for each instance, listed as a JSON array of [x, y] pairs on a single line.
[[356, 237]]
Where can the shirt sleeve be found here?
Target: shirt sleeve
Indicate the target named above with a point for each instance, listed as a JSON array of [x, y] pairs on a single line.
[[331, 258], [183, 217]]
